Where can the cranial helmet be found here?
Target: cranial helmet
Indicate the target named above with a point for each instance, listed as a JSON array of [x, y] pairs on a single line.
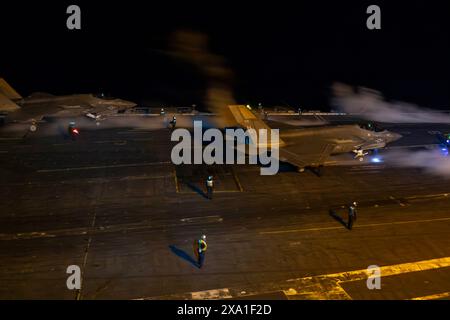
[[203, 237]]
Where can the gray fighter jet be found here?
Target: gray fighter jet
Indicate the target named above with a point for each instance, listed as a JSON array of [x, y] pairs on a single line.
[[38, 106], [311, 147]]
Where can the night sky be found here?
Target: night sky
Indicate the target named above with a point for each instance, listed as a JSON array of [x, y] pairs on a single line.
[[284, 53]]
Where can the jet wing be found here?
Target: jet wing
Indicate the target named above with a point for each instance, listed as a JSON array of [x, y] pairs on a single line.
[[305, 153], [301, 152]]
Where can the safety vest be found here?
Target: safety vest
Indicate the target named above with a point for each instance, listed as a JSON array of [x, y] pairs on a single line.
[[202, 246], [209, 183]]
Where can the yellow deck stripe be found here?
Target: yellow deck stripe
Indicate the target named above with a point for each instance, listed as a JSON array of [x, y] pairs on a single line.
[[357, 227], [386, 271], [434, 296], [328, 286]]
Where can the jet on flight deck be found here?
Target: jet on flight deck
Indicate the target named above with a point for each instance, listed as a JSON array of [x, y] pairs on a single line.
[[311, 147], [33, 109]]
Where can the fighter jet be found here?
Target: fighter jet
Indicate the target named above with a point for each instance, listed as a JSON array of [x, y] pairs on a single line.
[[309, 148], [38, 106]]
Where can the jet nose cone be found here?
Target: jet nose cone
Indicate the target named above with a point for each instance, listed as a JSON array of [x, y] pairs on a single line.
[[393, 136]]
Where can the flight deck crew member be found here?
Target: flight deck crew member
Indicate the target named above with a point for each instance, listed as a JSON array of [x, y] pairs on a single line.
[[351, 215], [72, 130], [210, 187], [200, 250], [173, 122]]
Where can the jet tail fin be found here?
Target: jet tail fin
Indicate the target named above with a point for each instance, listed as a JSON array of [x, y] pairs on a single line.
[[7, 97], [248, 120], [8, 91]]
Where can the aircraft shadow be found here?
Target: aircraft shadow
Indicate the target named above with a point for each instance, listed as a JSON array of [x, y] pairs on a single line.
[[286, 167], [182, 254], [338, 218], [62, 131]]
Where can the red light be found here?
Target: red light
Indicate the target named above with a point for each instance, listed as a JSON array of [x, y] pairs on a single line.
[[75, 131]]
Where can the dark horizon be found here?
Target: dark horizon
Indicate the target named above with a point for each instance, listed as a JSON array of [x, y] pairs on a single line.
[[287, 55]]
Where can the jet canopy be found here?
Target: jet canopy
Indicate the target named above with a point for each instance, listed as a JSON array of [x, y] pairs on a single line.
[[104, 96], [371, 126]]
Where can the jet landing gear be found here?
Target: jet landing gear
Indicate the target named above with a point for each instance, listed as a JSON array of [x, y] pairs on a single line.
[[360, 154], [318, 171]]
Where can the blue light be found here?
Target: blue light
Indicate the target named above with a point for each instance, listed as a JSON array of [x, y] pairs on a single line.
[[376, 160]]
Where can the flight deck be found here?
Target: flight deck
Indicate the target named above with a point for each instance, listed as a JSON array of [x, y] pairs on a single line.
[[113, 203]]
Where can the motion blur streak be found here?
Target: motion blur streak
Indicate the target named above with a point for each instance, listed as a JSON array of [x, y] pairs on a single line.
[[300, 123], [433, 161], [370, 104], [193, 47]]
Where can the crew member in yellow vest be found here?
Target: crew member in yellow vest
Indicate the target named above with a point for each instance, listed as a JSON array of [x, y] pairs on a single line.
[[200, 250]]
